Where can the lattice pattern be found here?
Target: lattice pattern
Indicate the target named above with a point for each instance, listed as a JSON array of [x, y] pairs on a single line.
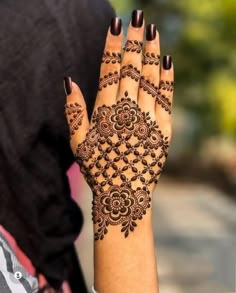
[[122, 135]]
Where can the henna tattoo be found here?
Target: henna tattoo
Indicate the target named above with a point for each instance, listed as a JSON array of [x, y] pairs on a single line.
[[74, 115], [151, 59], [122, 191], [154, 91], [167, 85], [111, 57], [133, 46], [162, 100], [148, 87], [130, 71], [109, 79]]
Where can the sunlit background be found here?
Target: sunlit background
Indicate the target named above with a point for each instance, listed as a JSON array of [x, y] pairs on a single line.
[[194, 205]]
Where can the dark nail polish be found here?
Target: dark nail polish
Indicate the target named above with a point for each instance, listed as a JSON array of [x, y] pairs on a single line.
[[151, 32], [116, 25], [67, 85], [167, 62], [137, 18]]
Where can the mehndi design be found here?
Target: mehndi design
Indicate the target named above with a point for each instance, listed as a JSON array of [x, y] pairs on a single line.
[[111, 57], [167, 85], [109, 79], [151, 59], [130, 71], [121, 159], [154, 91], [75, 116], [133, 46]]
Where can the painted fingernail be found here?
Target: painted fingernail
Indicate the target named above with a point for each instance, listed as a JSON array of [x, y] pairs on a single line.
[[67, 85], [137, 18], [116, 25], [151, 32], [167, 62]]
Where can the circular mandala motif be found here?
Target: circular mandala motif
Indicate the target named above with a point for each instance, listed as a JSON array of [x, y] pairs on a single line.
[[142, 131], [117, 203], [124, 117]]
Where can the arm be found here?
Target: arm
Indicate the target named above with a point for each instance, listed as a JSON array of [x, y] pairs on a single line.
[[126, 264], [121, 153]]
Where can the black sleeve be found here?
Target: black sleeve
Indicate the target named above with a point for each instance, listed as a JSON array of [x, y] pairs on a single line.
[[41, 42]]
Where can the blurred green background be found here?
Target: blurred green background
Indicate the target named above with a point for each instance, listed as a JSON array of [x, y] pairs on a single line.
[[200, 35]]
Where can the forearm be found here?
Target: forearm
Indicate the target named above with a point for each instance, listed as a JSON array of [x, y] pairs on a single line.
[[126, 264]]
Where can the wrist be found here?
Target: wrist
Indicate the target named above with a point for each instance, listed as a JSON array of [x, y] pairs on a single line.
[[120, 206]]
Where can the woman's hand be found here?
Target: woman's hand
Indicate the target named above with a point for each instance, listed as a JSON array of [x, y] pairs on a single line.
[[121, 153], [122, 150]]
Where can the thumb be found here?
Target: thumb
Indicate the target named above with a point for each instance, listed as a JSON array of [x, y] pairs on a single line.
[[76, 113]]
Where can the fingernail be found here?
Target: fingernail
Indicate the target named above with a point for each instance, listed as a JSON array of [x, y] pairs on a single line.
[[167, 62], [116, 25], [151, 32], [67, 85], [137, 18]]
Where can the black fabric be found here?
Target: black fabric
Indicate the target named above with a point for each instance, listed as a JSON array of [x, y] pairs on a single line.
[[40, 42]]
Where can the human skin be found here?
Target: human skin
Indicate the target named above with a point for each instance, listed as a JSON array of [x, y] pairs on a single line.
[[121, 153]]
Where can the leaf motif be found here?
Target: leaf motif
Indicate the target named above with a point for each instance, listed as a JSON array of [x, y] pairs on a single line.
[[125, 223], [134, 224]]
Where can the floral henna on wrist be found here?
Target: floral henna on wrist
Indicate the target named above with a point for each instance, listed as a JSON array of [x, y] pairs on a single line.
[[109, 79], [121, 158], [130, 71], [111, 57], [154, 91], [133, 46], [75, 116], [151, 59]]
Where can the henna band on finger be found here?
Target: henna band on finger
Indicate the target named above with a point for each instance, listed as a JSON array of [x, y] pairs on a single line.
[[154, 91], [167, 85], [108, 79], [151, 59], [74, 116], [133, 46], [164, 101], [130, 71], [111, 57]]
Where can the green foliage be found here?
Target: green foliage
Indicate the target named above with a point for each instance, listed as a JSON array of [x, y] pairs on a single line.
[[201, 37]]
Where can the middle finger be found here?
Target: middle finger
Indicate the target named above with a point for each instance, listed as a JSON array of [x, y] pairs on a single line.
[[132, 60]]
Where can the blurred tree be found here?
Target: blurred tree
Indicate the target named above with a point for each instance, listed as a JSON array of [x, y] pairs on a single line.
[[201, 37]]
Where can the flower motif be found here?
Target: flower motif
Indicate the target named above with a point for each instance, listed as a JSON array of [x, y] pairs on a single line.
[[142, 131], [117, 203], [84, 151], [125, 117]]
